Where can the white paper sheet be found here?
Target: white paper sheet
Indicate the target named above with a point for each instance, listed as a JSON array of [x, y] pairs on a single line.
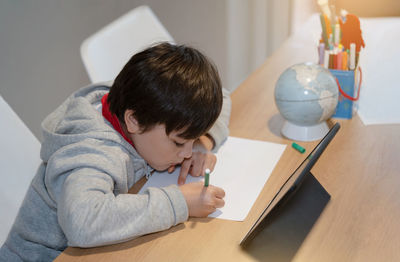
[[243, 166], [380, 61]]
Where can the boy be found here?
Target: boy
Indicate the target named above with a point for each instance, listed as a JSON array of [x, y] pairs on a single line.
[[101, 140]]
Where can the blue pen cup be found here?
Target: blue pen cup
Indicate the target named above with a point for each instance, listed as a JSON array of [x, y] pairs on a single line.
[[346, 106]]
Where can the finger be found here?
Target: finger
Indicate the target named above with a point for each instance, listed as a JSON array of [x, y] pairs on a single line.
[[214, 162], [219, 192], [209, 162], [171, 169], [219, 202], [184, 171], [197, 167]]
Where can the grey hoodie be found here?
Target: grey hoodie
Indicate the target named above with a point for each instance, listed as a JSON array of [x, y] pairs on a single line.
[[79, 195]]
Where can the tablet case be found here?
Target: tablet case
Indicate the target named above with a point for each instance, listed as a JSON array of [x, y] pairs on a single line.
[[288, 224]]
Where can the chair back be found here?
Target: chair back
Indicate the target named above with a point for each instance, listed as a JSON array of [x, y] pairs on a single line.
[[105, 53], [19, 161]]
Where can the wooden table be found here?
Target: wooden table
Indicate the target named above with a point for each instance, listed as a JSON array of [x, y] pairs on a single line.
[[360, 169]]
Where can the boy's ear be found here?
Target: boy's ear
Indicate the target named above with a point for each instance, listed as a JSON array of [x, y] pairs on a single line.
[[132, 125]]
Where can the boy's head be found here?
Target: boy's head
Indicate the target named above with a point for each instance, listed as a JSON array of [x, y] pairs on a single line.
[[171, 85], [165, 97]]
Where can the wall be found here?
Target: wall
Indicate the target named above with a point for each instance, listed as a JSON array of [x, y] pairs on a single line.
[[40, 63], [302, 9], [370, 8]]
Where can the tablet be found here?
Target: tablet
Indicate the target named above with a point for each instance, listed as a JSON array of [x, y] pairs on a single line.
[[291, 185]]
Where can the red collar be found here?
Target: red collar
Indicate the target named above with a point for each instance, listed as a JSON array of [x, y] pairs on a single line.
[[112, 118]]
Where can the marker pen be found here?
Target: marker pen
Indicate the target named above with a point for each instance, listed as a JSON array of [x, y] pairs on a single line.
[[206, 177], [298, 148]]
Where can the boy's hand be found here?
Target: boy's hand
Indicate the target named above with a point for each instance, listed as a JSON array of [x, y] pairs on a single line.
[[202, 158], [202, 201], [196, 165]]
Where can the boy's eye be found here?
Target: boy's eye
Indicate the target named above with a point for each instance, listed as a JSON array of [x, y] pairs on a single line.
[[179, 144]]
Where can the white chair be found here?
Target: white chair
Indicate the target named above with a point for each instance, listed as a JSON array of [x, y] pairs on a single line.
[[19, 160], [106, 52]]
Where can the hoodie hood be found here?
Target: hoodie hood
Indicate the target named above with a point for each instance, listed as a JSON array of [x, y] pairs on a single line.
[[77, 119]]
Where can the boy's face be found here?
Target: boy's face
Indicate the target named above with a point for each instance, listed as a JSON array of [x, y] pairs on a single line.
[[160, 150]]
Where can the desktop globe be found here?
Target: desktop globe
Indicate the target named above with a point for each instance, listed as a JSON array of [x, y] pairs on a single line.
[[306, 95]]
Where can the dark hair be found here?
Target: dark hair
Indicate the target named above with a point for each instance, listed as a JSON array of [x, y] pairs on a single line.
[[168, 84]]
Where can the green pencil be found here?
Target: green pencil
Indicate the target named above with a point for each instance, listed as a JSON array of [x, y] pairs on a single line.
[[206, 177]]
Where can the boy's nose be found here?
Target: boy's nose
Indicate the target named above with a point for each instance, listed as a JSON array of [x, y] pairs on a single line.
[[186, 151]]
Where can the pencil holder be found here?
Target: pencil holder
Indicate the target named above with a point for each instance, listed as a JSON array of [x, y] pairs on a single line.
[[349, 91]]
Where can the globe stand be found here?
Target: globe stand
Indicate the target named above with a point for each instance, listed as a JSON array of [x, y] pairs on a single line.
[[304, 133]]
